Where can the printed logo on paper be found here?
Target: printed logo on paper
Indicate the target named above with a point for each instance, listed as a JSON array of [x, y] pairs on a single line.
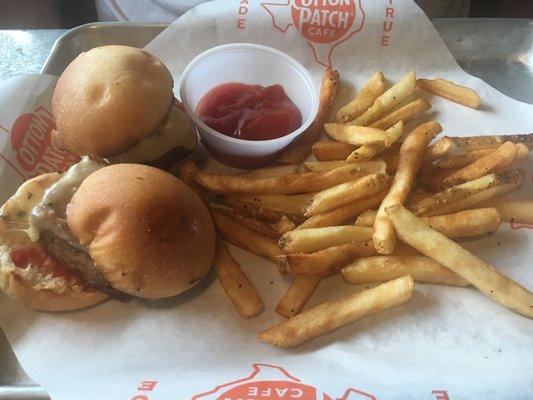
[[32, 148], [269, 382], [324, 24]]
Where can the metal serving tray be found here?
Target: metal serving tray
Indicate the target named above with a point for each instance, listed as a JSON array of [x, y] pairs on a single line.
[[499, 51]]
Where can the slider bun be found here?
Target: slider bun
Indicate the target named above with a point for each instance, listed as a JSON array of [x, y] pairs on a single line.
[[109, 98], [26, 284], [148, 233]]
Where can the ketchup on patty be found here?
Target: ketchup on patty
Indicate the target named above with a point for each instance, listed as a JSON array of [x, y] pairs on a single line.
[[249, 112]]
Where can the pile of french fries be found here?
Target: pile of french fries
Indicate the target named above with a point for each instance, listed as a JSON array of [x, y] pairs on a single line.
[[379, 205]]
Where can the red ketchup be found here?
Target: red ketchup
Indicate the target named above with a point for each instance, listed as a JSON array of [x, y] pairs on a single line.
[[249, 112], [39, 257]]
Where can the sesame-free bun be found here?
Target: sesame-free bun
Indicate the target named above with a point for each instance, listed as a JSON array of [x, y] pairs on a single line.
[[109, 98], [28, 285], [148, 233]]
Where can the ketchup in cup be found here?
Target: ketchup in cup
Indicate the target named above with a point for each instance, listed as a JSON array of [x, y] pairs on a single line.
[[249, 112]]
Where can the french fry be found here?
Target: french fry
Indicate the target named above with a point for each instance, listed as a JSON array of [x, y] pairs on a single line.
[[367, 152], [244, 237], [315, 239], [343, 213], [522, 151], [411, 154], [497, 161], [300, 148], [188, 173], [416, 233], [269, 172], [385, 268], [331, 315], [284, 225], [405, 113], [366, 218], [235, 283], [462, 160], [490, 141], [253, 223], [364, 99], [329, 151], [347, 192], [358, 135], [371, 166], [390, 99], [479, 221], [451, 91], [290, 204], [325, 262], [461, 197], [433, 204], [262, 213], [520, 211], [438, 149], [294, 299], [304, 182]]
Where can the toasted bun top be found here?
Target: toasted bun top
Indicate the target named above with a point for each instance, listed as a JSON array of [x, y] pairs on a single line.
[[147, 232], [29, 285], [109, 98]]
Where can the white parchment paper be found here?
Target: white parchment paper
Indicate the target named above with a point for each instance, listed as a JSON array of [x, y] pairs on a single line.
[[446, 343]]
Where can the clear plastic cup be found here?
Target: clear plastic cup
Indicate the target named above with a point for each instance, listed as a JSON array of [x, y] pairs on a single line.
[[251, 64]]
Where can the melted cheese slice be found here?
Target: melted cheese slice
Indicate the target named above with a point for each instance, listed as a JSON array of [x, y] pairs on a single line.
[[176, 131]]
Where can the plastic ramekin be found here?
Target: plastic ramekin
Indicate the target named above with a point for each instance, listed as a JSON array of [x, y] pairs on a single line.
[[251, 64]]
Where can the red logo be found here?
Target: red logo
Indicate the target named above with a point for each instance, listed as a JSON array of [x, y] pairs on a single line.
[[269, 382], [323, 23], [31, 143]]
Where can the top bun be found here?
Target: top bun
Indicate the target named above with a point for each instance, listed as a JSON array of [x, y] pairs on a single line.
[[147, 232], [109, 98]]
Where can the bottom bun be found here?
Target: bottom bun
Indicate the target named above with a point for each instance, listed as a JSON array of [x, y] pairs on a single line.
[[19, 289], [27, 285]]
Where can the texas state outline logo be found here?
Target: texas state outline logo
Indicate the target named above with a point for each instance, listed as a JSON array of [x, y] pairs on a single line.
[[270, 382], [324, 24]]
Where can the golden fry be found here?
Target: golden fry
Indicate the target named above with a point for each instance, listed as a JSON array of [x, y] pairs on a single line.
[[188, 173], [315, 239], [468, 194], [435, 245], [411, 153], [269, 172], [255, 224], [358, 135], [366, 218], [369, 151], [244, 237], [451, 91], [364, 99], [384, 268], [520, 211], [331, 315], [294, 299], [392, 98], [325, 262], [490, 141], [301, 147], [462, 160], [236, 284], [347, 192], [371, 166], [284, 225], [405, 113], [304, 182], [497, 161], [340, 215], [438, 149], [329, 151]]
